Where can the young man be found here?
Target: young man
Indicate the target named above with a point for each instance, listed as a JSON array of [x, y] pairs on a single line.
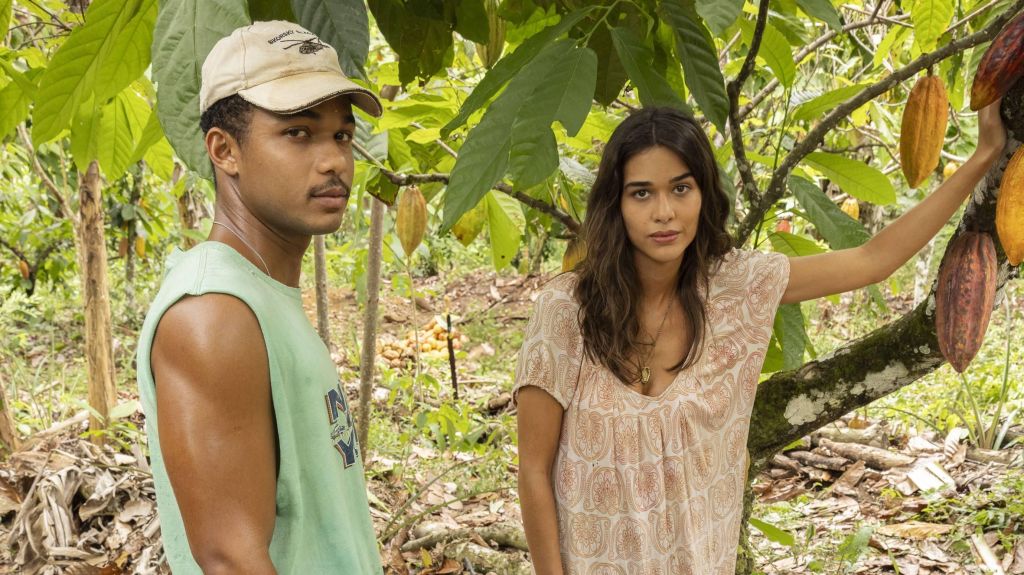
[[253, 447]]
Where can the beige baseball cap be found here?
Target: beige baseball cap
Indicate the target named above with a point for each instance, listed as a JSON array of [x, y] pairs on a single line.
[[278, 66]]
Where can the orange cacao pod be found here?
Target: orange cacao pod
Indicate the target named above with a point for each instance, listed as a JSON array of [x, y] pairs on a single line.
[[411, 223], [964, 297], [1010, 209], [784, 226], [1001, 66], [851, 207], [24, 269], [924, 129], [574, 254]]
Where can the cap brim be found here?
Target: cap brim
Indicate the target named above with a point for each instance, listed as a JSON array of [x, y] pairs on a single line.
[[298, 92]]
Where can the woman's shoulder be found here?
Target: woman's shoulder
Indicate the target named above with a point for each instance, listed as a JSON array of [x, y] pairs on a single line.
[[561, 286], [739, 268]]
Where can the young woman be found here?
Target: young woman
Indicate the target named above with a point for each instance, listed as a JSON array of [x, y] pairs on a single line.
[[637, 374]]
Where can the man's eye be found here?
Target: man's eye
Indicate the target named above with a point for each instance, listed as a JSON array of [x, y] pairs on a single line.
[[344, 137], [296, 132]]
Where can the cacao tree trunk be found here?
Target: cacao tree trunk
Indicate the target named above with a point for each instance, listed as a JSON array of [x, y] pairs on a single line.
[[794, 403], [369, 347], [323, 324], [98, 330], [129, 262], [9, 441]]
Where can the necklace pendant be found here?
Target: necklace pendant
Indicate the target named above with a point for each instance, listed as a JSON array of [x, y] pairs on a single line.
[[645, 375]]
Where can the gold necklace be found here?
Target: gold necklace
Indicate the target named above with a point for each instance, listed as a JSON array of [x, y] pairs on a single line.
[[645, 367]]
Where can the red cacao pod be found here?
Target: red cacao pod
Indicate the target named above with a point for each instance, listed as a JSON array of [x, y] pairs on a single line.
[[964, 297], [1001, 66]]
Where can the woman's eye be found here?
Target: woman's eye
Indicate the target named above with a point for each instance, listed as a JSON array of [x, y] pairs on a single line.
[[682, 189], [640, 194]]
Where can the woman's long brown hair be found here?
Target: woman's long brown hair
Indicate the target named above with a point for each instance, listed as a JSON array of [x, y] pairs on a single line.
[[608, 289]]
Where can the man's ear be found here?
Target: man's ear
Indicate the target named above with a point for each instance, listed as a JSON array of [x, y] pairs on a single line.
[[223, 150]]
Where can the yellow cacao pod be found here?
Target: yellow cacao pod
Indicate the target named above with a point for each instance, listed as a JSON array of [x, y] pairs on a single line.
[[469, 225], [490, 53], [1010, 209], [851, 207], [924, 129], [574, 254], [140, 246], [949, 169], [412, 219]]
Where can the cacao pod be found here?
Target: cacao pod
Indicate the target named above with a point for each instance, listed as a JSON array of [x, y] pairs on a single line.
[[1010, 209], [949, 169], [784, 226], [574, 254], [122, 247], [851, 207], [411, 223], [24, 269], [490, 53], [469, 225], [924, 129], [140, 246], [964, 297], [1001, 66]]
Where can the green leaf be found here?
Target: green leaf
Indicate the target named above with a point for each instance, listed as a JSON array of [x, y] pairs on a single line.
[[264, 10], [105, 49], [789, 331], [839, 230], [160, 159], [930, 18], [471, 21], [510, 65], [697, 51], [822, 10], [611, 75], [15, 98], [418, 33], [6, 10], [854, 545], [774, 50], [121, 126], [186, 30], [854, 177], [533, 156], [151, 134], [893, 39], [505, 224], [341, 23], [793, 245], [773, 533], [719, 14], [817, 107], [636, 57]]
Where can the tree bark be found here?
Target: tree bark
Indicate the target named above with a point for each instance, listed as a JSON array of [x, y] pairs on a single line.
[[98, 330], [369, 347], [793, 403], [323, 324], [9, 441]]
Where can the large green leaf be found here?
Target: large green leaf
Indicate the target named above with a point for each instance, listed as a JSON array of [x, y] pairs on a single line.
[[121, 127], [105, 49], [15, 98], [611, 76], [697, 51], [791, 335], [774, 50], [533, 156], [817, 107], [341, 23], [636, 57], [719, 14], [417, 32], [152, 133], [263, 10], [505, 224], [793, 245], [854, 177], [823, 10], [931, 18], [839, 230], [6, 9], [471, 21], [510, 65], [484, 156], [186, 30]]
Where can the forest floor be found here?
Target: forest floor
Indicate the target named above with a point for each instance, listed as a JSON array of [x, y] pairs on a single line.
[[895, 488]]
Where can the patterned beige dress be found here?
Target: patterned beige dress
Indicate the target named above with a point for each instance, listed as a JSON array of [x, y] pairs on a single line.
[[654, 485]]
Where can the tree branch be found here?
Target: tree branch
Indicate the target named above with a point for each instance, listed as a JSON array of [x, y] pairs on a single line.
[[65, 208], [777, 185], [733, 89]]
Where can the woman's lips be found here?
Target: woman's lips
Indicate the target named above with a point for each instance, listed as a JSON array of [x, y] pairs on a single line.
[[664, 237]]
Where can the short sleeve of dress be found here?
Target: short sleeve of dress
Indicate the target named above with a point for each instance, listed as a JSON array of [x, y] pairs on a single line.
[[769, 278], [552, 345]]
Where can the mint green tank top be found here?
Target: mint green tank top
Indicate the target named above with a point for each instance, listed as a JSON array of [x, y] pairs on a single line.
[[323, 521]]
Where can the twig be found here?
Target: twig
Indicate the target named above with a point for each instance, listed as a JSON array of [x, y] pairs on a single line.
[[62, 202], [777, 185], [414, 496], [733, 89]]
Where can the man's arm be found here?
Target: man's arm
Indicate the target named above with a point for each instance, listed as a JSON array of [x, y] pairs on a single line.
[[217, 433], [819, 275]]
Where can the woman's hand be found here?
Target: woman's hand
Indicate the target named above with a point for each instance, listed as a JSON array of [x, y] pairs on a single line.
[[991, 133]]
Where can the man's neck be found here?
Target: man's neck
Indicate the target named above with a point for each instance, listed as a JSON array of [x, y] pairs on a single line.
[[278, 256]]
